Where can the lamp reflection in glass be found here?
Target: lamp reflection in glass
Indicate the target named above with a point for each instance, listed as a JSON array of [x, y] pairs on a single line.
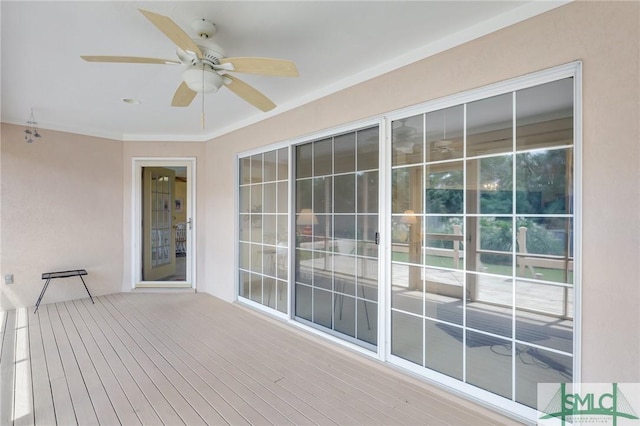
[[306, 220]]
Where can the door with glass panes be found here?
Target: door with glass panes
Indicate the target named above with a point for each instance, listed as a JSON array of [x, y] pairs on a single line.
[[336, 235]]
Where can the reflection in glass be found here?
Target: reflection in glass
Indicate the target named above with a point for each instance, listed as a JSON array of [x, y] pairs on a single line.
[[263, 220], [345, 314], [404, 296], [542, 124], [303, 194], [407, 337], [256, 288], [283, 197], [269, 229], [445, 182], [256, 168], [490, 125], [368, 279], [283, 297], [322, 307], [490, 249], [445, 134], [444, 296], [544, 182], [443, 348], [444, 242], [344, 151], [407, 140], [244, 284], [544, 315], [488, 363], [269, 292], [482, 258], [303, 307], [344, 199], [406, 189], [536, 365], [270, 166], [245, 199], [269, 197], [367, 196], [367, 329], [304, 160], [245, 171], [336, 230], [322, 157], [322, 193], [486, 314], [545, 248], [244, 233], [283, 164], [368, 140]]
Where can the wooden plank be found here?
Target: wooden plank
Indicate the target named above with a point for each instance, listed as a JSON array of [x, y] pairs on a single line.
[[6, 369], [243, 399], [387, 395], [65, 414], [42, 398], [173, 364], [23, 392], [304, 370], [82, 403], [237, 356], [146, 356], [121, 406], [140, 404], [104, 412], [155, 372], [130, 359], [256, 377], [174, 382]]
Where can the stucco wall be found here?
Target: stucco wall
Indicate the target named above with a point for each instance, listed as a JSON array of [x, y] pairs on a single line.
[[605, 36], [61, 209]]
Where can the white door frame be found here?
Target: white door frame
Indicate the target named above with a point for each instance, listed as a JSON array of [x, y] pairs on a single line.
[[136, 219]]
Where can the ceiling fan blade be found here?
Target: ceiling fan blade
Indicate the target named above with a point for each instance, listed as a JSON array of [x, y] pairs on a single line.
[[173, 31], [248, 93], [128, 60], [263, 66], [183, 96]]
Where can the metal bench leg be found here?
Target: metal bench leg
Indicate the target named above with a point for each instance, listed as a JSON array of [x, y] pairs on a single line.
[[86, 288], [46, 284]]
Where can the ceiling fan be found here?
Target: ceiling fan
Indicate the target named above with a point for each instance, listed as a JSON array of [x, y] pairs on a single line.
[[207, 69]]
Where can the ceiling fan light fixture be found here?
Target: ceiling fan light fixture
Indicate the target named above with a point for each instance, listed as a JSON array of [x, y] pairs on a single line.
[[202, 80]]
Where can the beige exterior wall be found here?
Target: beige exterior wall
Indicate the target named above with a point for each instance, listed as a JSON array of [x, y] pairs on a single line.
[[61, 209], [605, 36]]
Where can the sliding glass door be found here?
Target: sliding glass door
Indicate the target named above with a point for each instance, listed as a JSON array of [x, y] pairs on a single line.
[[482, 221], [477, 284], [336, 234]]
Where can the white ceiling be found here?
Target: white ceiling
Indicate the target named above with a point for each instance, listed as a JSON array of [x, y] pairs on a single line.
[[335, 44]]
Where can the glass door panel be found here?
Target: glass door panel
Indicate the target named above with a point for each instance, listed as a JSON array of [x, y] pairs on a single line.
[[482, 240], [336, 229]]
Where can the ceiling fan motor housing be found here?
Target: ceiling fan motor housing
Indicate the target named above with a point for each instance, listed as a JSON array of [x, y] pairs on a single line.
[[202, 79]]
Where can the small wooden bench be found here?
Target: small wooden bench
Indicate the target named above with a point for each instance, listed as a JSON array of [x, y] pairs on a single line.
[[62, 274]]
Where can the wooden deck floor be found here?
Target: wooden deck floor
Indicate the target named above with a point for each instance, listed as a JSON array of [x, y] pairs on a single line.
[[192, 359]]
